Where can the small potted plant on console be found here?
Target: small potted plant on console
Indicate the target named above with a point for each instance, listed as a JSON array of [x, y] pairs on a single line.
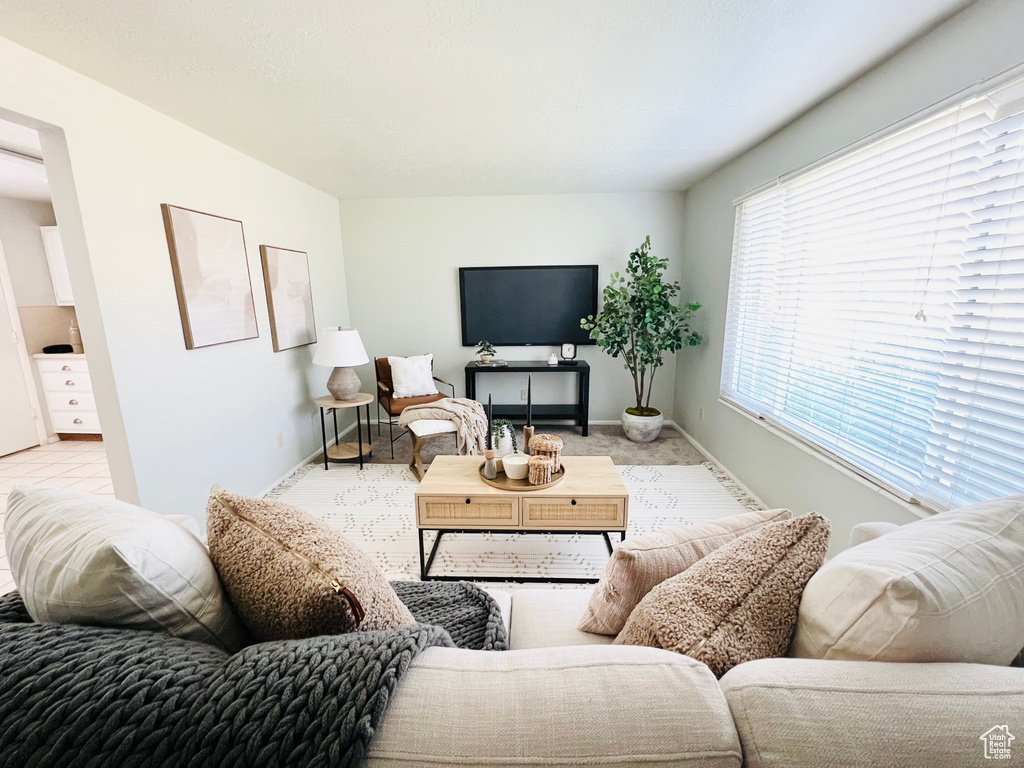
[[486, 351], [640, 323]]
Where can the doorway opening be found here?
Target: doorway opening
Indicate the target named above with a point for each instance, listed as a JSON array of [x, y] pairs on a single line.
[[50, 432]]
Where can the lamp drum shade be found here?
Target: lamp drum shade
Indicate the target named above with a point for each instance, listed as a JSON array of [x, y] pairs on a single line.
[[342, 349]]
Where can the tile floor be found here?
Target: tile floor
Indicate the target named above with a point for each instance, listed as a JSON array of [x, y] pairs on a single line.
[[77, 464]]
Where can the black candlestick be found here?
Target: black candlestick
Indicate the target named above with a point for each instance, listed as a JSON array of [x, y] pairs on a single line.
[[490, 420], [529, 400]]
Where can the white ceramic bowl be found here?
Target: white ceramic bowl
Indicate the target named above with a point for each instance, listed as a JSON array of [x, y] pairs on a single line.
[[517, 466]]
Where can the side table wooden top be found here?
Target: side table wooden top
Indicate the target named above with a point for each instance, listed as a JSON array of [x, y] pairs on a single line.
[[328, 401]]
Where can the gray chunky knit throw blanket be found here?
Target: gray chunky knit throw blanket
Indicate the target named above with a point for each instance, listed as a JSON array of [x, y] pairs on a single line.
[[87, 696]]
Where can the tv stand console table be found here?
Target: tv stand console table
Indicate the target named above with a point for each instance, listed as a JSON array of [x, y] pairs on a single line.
[[578, 412]]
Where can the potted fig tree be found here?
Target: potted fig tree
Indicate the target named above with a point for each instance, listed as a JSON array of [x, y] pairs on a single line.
[[640, 322]]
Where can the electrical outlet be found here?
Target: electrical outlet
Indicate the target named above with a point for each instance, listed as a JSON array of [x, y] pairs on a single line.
[[522, 395], [280, 439], [700, 414]]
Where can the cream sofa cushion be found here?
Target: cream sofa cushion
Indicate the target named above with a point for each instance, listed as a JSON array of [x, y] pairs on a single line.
[[641, 563], [946, 588], [81, 559], [578, 706], [547, 618], [802, 713]]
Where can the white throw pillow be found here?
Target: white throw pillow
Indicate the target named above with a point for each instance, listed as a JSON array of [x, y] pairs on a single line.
[[412, 376], [946, 588], [80, 559]]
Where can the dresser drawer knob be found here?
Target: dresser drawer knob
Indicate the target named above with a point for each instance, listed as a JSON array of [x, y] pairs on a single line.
[[77, 421], [72, 402], [467, 501], [69, 383], [66, 368], [574, 502]]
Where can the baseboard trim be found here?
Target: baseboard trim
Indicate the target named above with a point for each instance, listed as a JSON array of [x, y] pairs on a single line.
[[319, 451], [710, 457]]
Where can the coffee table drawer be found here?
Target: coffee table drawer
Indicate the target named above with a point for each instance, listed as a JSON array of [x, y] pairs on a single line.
[[600, 512], [467, 511]]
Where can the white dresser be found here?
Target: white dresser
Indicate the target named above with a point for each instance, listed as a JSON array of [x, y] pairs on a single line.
[[68, 391]]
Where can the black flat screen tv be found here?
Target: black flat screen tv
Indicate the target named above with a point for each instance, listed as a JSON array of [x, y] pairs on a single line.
[[525, 306]]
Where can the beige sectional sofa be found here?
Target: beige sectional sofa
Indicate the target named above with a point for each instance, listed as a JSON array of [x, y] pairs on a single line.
[[562, 697]]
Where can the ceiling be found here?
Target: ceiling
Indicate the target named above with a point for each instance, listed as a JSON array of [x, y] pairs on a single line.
[[21, 169], [465, 97]]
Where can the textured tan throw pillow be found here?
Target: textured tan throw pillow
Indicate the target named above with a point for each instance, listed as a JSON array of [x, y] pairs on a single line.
[[737, 604], [291, 576], [948, 588], [641, 563]]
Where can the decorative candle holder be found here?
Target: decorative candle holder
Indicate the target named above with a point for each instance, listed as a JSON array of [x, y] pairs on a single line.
[[490, 464], [527, 437], [548, 445], [541, 468]]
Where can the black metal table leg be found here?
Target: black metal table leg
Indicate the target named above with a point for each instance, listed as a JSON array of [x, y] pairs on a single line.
[[323, 434], [359, 431], [334, 413], [423, 570], [433, 554], [369, 438], [607, 541]]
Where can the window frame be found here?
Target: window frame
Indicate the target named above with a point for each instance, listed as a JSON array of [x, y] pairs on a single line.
[[1012, 80]]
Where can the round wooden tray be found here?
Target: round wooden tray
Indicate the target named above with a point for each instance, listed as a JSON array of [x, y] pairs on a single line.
[[503, 483]]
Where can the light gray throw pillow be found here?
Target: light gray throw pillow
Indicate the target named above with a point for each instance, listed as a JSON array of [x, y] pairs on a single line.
[[81, 559]]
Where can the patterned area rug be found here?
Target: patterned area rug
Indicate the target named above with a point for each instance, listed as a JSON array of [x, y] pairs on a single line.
[[375, 508]]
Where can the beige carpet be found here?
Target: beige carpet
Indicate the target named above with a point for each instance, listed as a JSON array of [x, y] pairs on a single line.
[[375, 508], [604, 440]]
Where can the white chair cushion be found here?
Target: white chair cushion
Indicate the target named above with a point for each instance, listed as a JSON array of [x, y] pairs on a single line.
[[585, 706], [547, 618], [412, 376], [427, 427], [80, 559], [946, 588]]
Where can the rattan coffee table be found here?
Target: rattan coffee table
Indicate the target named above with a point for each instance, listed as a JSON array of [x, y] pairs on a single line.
[[452, 498]]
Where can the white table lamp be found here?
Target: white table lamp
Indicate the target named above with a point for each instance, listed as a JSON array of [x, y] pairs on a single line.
[[342, 349]]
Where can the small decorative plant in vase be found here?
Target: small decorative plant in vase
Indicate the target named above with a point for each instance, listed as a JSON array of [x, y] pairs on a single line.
[[640, 323], [504, 437], [486, 351]]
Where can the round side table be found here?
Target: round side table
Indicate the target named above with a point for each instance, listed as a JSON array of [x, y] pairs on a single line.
[[345, 452]]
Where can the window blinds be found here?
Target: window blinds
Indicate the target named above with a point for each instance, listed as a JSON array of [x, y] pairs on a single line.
[[876, 307]]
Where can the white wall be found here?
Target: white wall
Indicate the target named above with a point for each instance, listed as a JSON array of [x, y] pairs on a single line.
[[403, 257], [20, 221], [979, 43], [175, 421]]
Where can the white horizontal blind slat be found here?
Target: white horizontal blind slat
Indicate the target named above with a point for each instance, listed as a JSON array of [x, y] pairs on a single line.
[[876, 307]]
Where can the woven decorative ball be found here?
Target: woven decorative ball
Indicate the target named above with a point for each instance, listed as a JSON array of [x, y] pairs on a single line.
[[549, 445], [541, 468]]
